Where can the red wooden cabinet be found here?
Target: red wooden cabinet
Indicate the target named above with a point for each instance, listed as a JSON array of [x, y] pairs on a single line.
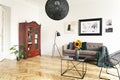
[[30, 36]]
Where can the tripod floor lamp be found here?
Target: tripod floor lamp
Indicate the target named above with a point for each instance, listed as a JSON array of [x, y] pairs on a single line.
[[55, 45]]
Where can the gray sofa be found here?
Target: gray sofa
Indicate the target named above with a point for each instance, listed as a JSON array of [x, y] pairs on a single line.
[[90, 52]]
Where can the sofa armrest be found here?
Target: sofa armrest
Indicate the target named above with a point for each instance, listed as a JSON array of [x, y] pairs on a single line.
[[64, 47]]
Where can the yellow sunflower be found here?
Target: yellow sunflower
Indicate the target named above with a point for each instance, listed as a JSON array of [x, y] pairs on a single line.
[[77, 44]]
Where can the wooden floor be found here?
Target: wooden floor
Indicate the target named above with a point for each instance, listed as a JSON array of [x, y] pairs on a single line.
[[42, 68]]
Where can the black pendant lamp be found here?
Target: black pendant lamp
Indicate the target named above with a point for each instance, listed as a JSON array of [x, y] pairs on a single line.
[[57, 9]]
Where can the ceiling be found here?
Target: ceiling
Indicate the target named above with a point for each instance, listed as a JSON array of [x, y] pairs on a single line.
[[33, 2]]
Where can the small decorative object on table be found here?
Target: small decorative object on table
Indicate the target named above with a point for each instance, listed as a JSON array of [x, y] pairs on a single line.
[[77, 46]]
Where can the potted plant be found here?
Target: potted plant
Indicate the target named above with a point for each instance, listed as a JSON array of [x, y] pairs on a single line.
[[20, 54]]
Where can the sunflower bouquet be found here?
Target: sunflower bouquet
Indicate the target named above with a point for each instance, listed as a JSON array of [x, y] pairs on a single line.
[[77, 44]]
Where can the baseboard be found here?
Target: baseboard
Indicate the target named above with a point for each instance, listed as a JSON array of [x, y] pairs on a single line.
[[2, 58]]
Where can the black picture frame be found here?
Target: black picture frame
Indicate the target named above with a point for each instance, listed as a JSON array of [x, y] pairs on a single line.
[[90, 27]]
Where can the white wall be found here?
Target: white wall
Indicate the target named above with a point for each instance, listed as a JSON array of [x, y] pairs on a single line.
[[20, 12], [79, 9], [5, 39], [82, 9]]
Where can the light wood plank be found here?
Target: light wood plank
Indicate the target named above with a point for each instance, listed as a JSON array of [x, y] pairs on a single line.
[[42, 68]]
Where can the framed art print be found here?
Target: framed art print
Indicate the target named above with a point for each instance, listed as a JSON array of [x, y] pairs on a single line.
[[90, 26]]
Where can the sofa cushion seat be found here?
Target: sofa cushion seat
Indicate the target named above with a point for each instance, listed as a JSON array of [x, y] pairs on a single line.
[[87, 52]]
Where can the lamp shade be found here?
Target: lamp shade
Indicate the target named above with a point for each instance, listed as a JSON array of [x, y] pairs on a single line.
[[58, 34], [57, 9], [69, 27]]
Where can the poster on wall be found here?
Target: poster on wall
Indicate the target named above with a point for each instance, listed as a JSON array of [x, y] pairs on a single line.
[[90, 26], [109, 28]]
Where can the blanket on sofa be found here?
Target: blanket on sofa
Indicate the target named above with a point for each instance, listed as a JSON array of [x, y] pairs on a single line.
[[103, 57]]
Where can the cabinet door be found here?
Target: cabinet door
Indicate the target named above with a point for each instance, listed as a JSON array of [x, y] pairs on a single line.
[[30, 38], [33, 41], [36, 38]]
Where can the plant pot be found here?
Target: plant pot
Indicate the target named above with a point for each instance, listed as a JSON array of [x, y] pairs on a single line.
[[24, 57], [18, 58]]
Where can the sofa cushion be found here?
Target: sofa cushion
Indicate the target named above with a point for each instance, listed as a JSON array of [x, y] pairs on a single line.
[[87, 52], [94, 46]]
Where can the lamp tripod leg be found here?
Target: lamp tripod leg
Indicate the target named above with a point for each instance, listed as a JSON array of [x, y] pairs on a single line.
[[58, 51], [53, 50]]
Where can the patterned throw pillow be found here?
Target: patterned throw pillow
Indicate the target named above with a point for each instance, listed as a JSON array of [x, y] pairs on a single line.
[[84, 47], [70, 45]]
